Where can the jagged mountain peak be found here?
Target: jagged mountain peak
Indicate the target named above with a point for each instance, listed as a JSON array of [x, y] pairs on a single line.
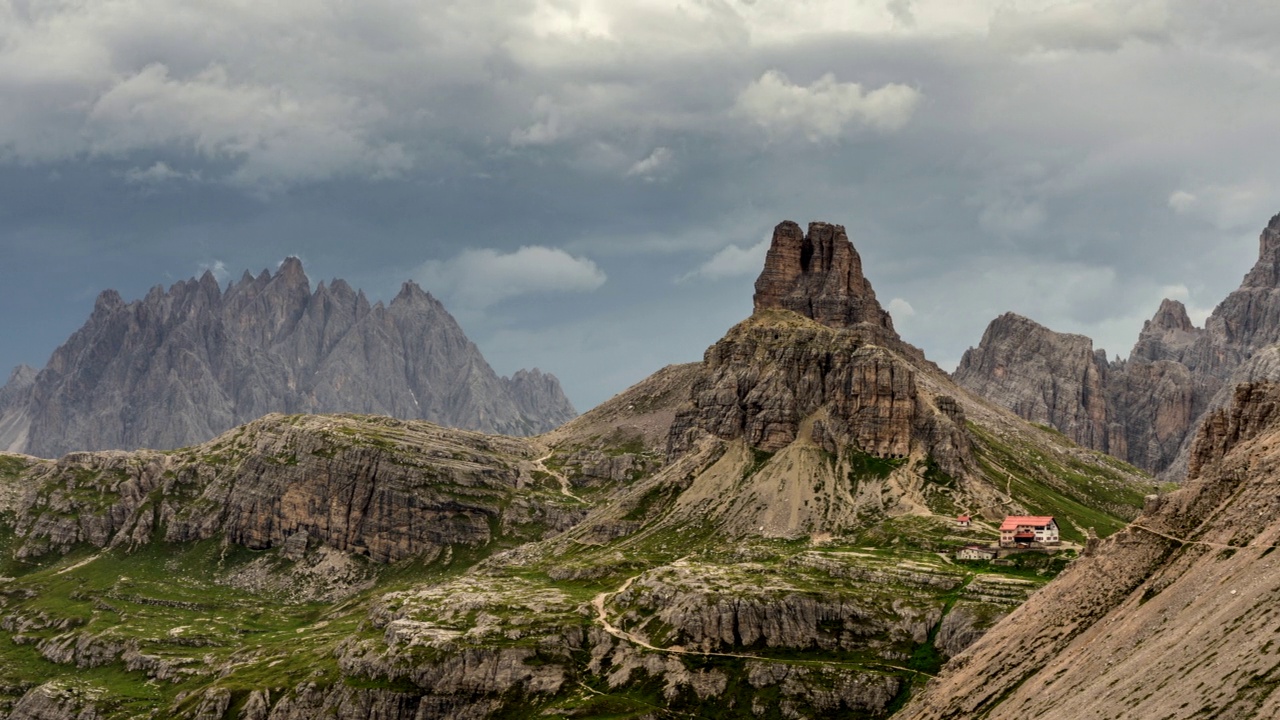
[[108, 301], [181, 365], [21, 376], [413, 294], [291, 269], [1172, 315], [818, 274], [1266, 273], [1150, 405]]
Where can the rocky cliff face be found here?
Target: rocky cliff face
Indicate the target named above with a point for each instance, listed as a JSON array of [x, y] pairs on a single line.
[[777, 375], [818, 275], [180, 366], [818, 365], [1144, 410], [14, 420], [357, 485], [1172, 618], [1043, 376]]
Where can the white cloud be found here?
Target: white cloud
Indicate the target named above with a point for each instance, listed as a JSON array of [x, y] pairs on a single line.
[[900, 308], [826, 109], [276, 135], [654, 165], [1228, 206], [1085, 25], [158, 174], [1182, 201], [218, 268], [476, 279], [732, 261]]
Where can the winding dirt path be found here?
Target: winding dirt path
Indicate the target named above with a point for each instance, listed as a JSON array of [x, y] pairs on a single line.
[[564, 482], [78, 565], [1185, 541]]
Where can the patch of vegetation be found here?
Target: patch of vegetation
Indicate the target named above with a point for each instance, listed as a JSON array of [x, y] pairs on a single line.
[[758, 459], [662, 495], [1080, 494], [866, 466], [11, 466]]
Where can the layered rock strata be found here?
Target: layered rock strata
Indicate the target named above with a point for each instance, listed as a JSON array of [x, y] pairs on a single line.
[[180, 366], [384, 489], [1043, 376], [778, 378]]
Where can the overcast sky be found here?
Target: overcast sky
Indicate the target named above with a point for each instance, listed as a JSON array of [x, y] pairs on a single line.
[[589, 184]]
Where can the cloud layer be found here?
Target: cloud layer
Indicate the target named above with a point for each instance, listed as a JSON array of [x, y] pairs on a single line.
[[478, 278], [1069, 159]]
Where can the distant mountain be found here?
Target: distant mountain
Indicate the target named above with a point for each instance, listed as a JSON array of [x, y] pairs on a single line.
[[1144, 410], [180, 366]]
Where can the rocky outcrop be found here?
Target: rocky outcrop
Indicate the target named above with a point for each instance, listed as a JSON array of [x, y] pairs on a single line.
[[1167, 336], [55, 701], [818, 275], [1145, 409], [1172, 618], [819, 358], [772, 376], [380, 488], [180, 366], [723, 618], [1043, 376]]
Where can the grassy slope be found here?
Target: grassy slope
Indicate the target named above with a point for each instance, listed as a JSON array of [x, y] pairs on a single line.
[[1099, 492]]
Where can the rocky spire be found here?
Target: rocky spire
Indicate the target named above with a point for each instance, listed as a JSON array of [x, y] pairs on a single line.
[[819, 275], [1172, 315], [1266, 273], [1166, 336]]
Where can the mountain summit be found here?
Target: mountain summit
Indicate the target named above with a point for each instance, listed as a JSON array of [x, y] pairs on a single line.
[[818, 275], [1144, 410], [180, 366]]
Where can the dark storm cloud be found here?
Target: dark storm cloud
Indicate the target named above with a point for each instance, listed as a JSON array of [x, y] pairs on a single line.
[[1074, 161]]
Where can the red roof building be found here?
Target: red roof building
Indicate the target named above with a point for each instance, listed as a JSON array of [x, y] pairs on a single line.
[[1028, 530]]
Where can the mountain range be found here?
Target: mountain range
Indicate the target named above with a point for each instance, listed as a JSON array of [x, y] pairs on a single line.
[[759, 534], [182, 365], [1144, 409]]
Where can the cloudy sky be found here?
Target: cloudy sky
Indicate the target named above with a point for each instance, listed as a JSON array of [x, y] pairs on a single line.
[[588, 184]]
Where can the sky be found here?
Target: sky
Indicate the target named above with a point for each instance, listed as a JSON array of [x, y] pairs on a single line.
[[589, 185]]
